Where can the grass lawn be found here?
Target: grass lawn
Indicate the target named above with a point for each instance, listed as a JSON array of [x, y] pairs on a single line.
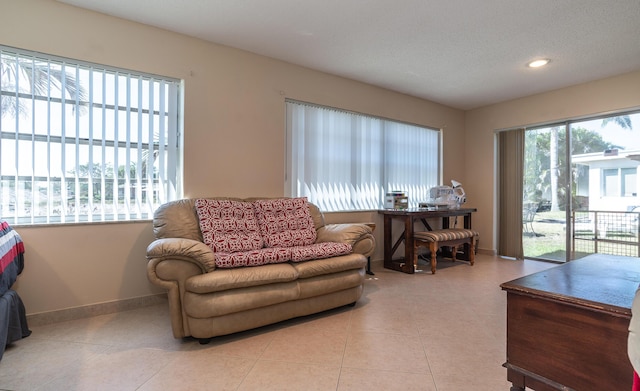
[[549, 240]]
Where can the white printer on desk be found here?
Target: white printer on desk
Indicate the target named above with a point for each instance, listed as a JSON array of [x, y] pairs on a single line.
[[445, 197]]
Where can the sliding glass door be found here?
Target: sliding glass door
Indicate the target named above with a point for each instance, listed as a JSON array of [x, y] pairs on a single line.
[[581, 193], [545, 189]]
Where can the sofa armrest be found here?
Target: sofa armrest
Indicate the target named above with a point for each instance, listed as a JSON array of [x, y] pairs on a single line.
[[182, 249], [360, 236], [171, 261]]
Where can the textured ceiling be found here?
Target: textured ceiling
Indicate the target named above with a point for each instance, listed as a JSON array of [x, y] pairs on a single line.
[[460, 53]]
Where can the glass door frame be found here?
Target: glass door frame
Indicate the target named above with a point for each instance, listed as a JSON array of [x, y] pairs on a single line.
[[568, 170]]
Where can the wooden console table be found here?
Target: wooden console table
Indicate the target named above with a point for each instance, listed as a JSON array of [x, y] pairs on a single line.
[[408, 216], [567, 326]]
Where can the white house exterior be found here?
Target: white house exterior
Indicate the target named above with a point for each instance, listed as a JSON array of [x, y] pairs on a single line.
[[611, 183]]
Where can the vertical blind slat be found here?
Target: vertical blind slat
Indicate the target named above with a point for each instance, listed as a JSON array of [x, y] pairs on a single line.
[[144, 175], [140, 162], [162, 177], [103, 148], [17, 141], [32, 197], [90, 178], [78, 193], [63, 150], [116, 148], [49, 192], [127, 139]]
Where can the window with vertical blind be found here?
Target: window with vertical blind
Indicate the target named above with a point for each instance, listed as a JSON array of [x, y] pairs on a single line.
[[343, 161], [82, 142]]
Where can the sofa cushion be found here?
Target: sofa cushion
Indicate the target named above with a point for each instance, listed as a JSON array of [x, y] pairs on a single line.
[[330, 265], [319, 251], [258, 257], [228, 226], [285, 222], [222, 280], [334, 282], [210, 305]]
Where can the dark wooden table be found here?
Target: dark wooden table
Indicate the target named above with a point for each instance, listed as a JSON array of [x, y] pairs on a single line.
[[409, 216], [567, 326]]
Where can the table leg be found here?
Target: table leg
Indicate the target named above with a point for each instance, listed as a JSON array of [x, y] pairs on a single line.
[[445, 222], [388, 251], [408, 245]]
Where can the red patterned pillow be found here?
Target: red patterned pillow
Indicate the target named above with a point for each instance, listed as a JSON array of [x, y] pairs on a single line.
[[228, 226], [285, 222], [259, 257], [319, 251]]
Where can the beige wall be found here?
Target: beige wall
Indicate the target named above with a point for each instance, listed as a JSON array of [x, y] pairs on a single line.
[[234, 138], [598, 97]]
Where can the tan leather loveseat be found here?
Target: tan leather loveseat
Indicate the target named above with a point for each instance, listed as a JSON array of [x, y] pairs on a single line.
[[209, 296]]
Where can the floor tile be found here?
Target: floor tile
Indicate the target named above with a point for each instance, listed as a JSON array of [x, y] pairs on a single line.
[[31, 363], [307, 345], [383, 351], [285, 376], [200, 370], [117, 368], [352, 379]]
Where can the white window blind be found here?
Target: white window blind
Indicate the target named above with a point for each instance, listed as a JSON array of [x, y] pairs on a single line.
[[342, 160], [82, 142]]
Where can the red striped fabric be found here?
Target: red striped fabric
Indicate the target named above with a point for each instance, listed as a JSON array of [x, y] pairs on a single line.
[[8, 258], [10, 246]]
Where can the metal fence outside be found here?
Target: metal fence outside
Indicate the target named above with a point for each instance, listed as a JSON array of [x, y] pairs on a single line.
[[606, 232]]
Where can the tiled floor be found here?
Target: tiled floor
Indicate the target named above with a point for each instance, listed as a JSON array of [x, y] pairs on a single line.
[[443, 332]]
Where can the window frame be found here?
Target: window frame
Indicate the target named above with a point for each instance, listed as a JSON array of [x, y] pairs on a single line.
[[62, 145], [628, 178], [620, 174], [611, 182]]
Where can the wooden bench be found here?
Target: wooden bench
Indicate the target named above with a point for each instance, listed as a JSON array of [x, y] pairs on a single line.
[[452, 237]]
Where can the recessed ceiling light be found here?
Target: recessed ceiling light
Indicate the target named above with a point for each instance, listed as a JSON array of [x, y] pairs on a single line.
[[538, 63]]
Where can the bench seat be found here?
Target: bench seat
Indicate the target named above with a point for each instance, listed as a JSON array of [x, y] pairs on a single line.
[[451, 237]]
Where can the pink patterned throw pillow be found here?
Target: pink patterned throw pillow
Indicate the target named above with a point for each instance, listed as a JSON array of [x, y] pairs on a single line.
[[259, 257], [285, 222], [319, 251], [228, 226]]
